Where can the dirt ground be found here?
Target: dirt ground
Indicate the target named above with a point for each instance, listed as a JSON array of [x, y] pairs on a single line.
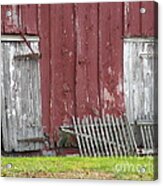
[[68, 175]]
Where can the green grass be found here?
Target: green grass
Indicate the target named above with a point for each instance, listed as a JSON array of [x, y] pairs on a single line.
[[77, 167]]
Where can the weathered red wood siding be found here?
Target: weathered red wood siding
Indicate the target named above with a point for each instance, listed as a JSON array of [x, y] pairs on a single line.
[[62, 65], [87, 99], [137, 24], [45, 68], [81, 47], [110, 57]]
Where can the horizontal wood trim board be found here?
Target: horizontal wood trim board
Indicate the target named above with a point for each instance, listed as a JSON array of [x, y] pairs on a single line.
[[18, 38]]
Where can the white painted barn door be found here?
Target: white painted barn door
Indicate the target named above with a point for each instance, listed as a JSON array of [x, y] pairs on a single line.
[[140, 78], [21, 104]]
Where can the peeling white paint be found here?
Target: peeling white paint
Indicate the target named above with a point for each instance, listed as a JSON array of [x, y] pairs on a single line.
[[13, 112], [119, 88], [108, 96], [12, 51], [24, 117], [70, 54], [78, 36], [65, 106], [87, 99], [18, 101], [14, 16], [109, 70], [126, 12], [98, 100]]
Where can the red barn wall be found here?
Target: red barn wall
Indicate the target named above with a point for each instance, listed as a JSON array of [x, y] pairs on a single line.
[[82, 53]]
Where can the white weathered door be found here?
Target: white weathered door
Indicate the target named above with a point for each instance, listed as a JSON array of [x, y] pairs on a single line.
[[140, 78], [21, 104]]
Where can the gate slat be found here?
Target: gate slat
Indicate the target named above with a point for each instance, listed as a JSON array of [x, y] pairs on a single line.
[[127, 145], [109, 121], [146, 137], [107, 135], [86, 138], [94, 135], [82, 138], [77, 136], [99, 137], [143, 138], [116, 135], [120, 136], [103, 137], [93, 153], [150, 137]]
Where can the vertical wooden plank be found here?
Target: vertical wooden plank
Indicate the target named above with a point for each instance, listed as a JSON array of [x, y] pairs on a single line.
[[29, 16], [4, 123], [10, 19], [39, 94], [19, 100], [140, 24], [87, 59], [155, 85], [28, 123], [37, 107], [62, 65], [3, 15], [149, 20], [10, 49], [126, 71], [25, 103], [136, 82], [15, 96], [132, 19], [45, 72], [21, 131], [35, 110], [110, 57], [68, 59]]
